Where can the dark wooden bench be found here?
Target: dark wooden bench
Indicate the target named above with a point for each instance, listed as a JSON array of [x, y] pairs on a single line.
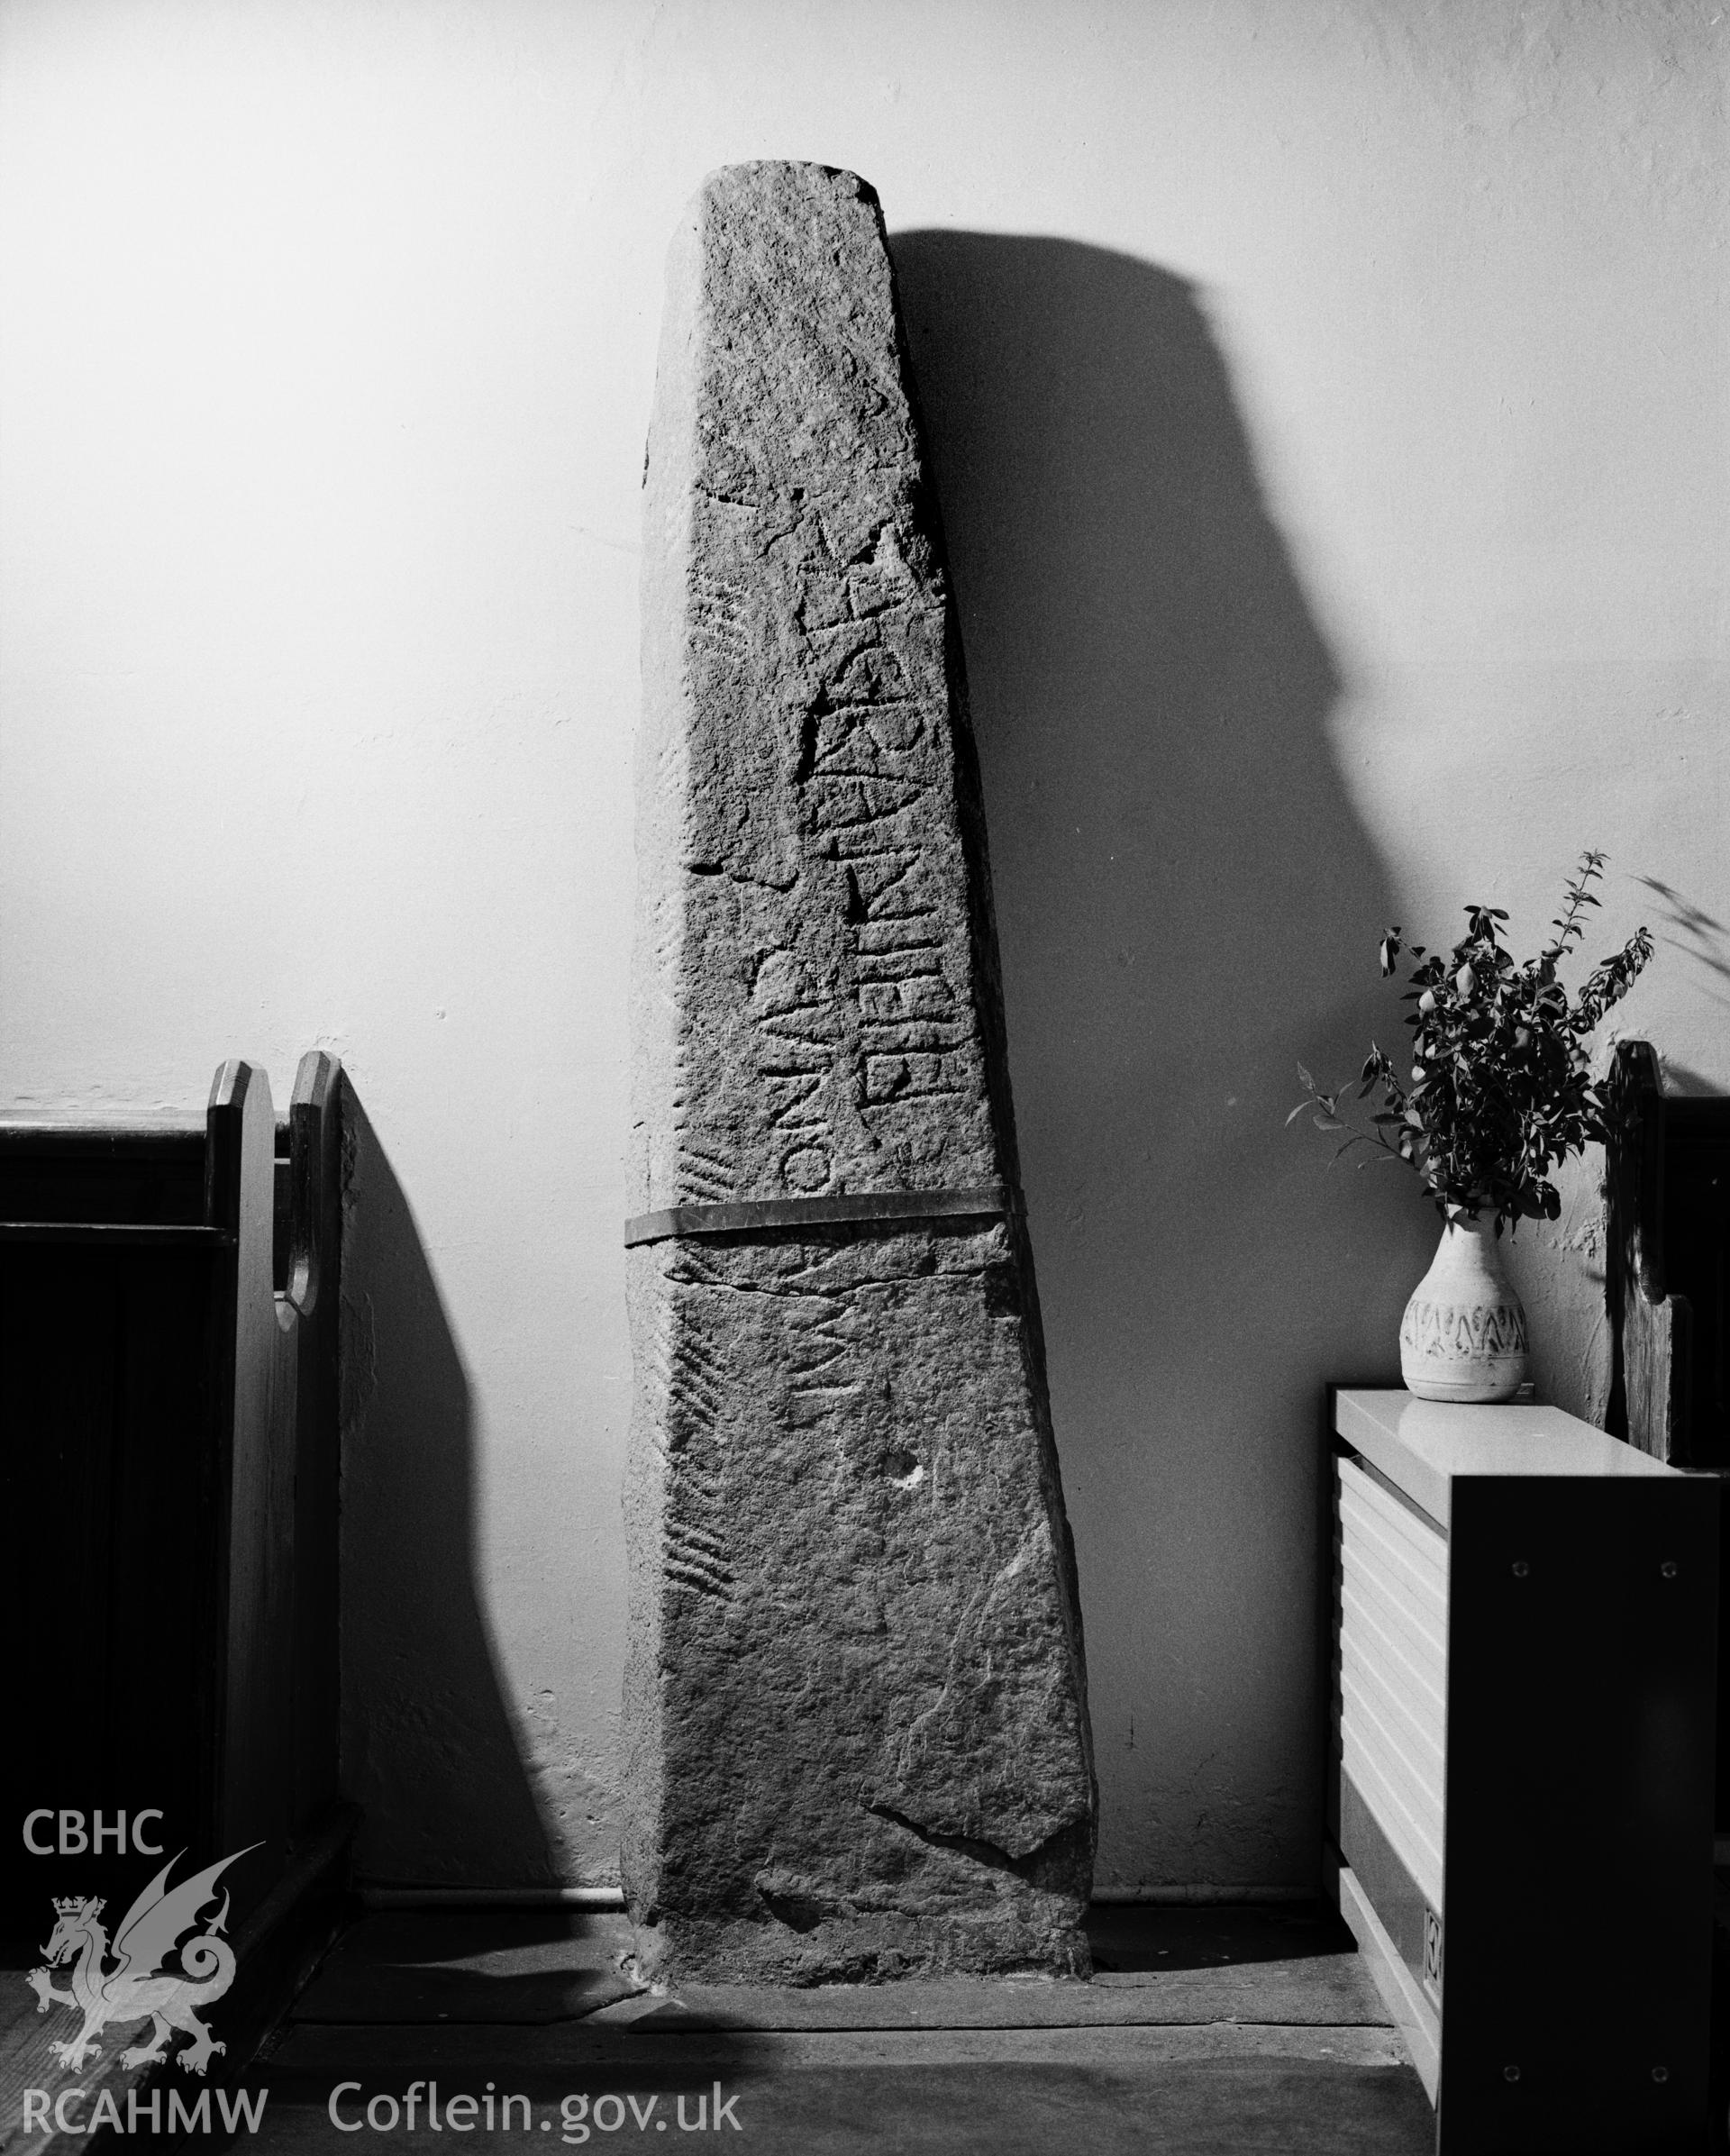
[[1668, 1183], [1667, 1283], [170, 1295]]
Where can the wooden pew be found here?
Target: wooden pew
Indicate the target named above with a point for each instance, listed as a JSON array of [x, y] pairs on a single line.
[[1667, 1290], [1668, 1186], [169, 1304]]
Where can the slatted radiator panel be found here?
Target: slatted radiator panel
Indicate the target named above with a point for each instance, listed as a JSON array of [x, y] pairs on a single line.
[[1394, 1668]]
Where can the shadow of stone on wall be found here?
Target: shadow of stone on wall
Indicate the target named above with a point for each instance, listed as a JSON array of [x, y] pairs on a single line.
[[1187, 907], [428, 1747]]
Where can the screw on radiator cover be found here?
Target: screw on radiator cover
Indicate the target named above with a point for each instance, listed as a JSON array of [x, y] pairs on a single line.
[[1510, 2073], [1669, 1568], [1661, 2073], [1521, 1568]]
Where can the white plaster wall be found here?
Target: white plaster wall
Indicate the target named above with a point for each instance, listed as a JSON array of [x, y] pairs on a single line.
[[327, 338]]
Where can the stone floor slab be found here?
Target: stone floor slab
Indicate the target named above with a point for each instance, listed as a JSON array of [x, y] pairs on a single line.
[[1214, 2031], [1319, 1991], [1190, 2092]]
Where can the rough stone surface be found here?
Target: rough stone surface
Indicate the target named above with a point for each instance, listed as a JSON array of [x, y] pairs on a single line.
[[856, 1710]]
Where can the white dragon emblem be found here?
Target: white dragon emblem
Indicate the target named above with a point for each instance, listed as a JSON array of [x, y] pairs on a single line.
[[137, 1986]]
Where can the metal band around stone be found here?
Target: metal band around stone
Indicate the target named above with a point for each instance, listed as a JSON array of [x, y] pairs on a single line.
[[979, 1199]]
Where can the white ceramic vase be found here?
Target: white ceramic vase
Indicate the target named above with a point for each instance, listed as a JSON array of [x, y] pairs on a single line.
[[1463, 1336]]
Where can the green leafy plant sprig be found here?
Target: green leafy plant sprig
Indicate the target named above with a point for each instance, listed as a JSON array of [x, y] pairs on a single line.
[[1500, 1091]]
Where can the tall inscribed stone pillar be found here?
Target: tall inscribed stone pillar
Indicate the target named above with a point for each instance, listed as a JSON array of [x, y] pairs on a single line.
[[856, 1734]]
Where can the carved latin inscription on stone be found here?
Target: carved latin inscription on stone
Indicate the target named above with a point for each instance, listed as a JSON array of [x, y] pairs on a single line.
[[856, 1705]]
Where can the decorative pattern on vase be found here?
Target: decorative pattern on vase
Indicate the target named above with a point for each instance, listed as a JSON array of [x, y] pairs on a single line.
[[1463, 1336], [1456, 1329]]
